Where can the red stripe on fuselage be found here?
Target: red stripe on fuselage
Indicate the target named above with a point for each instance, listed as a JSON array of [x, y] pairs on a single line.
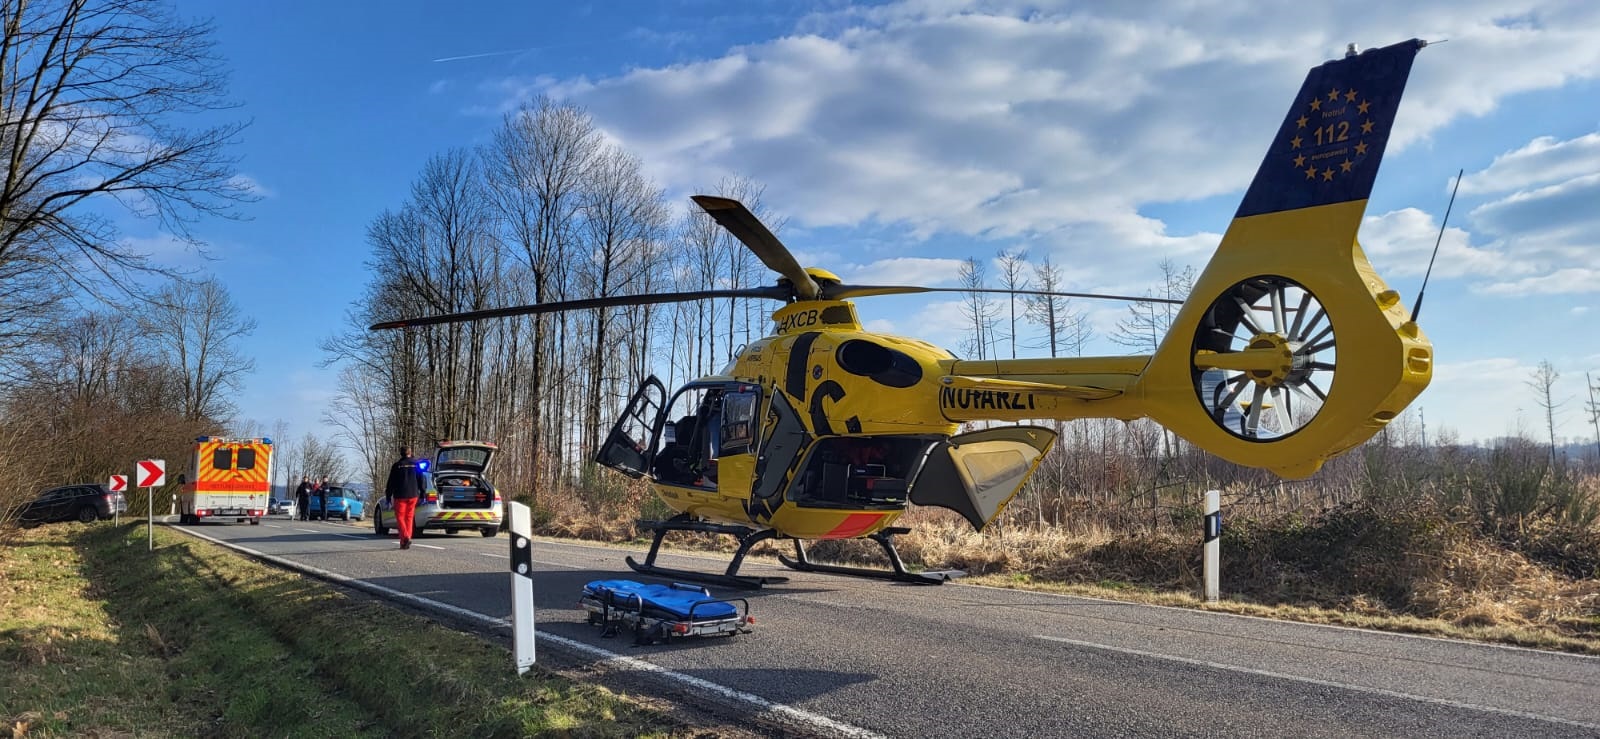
[[853, 525]]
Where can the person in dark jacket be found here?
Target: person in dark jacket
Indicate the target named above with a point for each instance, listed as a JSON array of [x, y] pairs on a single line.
[[407, 480], [302, 499], [322, 496]]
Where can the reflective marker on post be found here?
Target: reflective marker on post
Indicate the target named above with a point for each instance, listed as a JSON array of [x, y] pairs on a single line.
[[1213, 545], [521, 584]]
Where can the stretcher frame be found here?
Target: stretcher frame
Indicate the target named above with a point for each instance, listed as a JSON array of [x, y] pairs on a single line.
[[652, 624]]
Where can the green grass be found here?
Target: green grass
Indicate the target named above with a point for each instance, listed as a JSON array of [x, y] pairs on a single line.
[[100, 637]]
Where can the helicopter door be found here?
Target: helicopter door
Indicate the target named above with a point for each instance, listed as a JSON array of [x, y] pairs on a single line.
[[783, 440], [630, 447], [977, 474]]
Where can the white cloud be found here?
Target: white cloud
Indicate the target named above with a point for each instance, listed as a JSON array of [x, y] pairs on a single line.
[[250, 186], [165, 250], [1561, 281], [1549, 231], [1400, 243], [907, 271], [1000, 120], [1543, 160]]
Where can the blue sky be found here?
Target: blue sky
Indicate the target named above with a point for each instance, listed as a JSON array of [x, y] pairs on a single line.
[[900, 138]]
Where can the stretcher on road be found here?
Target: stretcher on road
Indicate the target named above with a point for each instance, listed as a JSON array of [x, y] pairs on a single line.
[[657, 613]]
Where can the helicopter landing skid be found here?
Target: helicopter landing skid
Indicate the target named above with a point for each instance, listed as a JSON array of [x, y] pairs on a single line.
[[885, 539], [747, 536]]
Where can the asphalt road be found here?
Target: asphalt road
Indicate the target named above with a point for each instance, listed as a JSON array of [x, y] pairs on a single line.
[[846, 656]]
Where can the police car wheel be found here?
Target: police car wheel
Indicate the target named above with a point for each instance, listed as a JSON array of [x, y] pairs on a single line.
[[488, 533]]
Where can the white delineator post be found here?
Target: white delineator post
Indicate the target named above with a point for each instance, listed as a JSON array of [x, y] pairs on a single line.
[[1213, 545], [522, 629]]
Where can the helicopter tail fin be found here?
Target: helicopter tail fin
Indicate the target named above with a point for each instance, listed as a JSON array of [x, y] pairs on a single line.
[[1290, 349]]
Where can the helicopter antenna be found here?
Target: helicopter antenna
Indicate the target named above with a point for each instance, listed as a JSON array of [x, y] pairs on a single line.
[[1416, 310]]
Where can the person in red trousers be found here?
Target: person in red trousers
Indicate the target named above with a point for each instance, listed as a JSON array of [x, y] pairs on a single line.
[[407, 480]]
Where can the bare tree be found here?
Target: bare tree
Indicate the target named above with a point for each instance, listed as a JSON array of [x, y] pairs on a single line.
[[1543, 383], [978, 309], [200, 330], [535, 171], [92, 92], [320, 458], [1066, 330], [1013, 276], [622, 213], [1147, 321], [1593, 407]]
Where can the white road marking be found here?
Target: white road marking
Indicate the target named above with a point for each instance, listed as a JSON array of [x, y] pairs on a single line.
[[487, 554], [789, 712], [309, 531], [430, 546], [351, 536], [1323, 683]]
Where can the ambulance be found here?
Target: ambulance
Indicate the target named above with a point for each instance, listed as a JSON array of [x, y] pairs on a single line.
[[228, 478]]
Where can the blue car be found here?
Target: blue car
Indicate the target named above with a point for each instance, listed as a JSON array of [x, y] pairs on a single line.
[[343, 503]]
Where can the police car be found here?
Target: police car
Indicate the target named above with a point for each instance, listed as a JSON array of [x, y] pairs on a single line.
[[459, 496]]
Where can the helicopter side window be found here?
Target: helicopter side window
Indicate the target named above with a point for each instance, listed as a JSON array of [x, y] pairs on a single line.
[[738, 423]]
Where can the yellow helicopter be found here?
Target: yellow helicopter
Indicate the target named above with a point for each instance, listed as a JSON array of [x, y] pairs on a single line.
[[1289, 351]]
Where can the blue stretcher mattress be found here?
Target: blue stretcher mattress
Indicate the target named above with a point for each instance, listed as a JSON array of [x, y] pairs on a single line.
[[674, 602]]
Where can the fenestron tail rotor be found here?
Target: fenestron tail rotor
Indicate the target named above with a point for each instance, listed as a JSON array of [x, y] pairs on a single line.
[[1264, 358]]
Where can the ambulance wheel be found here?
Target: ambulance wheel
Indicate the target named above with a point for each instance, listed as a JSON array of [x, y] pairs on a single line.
[[488, 533], [255, 522], [451, 532]]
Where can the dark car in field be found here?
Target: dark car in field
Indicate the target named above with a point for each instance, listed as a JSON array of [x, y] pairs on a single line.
[[86, 503]]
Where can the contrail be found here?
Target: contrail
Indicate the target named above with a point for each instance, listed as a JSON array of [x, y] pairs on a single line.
[[487, 53]]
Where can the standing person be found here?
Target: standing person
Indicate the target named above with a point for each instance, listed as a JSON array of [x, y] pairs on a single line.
[[302, 499], [406, 482], [322, 496]]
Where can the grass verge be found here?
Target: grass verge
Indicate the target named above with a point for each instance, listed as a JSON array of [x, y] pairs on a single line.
[[99, 637]]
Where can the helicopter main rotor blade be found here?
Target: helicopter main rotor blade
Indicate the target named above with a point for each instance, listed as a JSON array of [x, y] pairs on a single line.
[[844, 292], [747, 228], [773, 292]]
